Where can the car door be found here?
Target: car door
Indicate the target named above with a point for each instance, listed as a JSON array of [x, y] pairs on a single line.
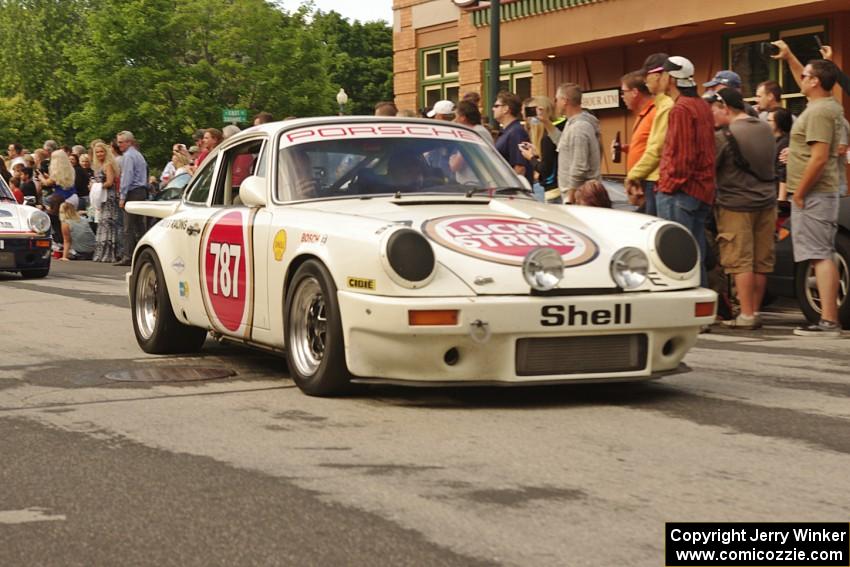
[[228, 245], [185, 230]]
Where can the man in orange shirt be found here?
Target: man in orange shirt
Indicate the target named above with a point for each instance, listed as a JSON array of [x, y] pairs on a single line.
[[640, 102]]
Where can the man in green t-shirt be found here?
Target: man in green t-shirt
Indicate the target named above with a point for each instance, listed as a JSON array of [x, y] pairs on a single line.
[[813, 178]]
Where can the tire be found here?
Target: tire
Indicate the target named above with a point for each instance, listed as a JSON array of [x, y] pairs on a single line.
[[157, 329], [315, 349], [806, 289], [35, 274]]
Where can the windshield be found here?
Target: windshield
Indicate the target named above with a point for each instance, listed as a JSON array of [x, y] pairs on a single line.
[[5, 192], [389, 165]]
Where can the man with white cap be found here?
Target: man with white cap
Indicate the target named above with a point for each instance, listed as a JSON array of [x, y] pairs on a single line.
[[443, 110], [439, 158], [685, 191]]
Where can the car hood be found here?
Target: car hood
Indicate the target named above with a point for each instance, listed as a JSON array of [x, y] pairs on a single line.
[[484, 241], [13, 217]]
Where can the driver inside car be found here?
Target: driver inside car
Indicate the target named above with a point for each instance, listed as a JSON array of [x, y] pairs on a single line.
[[406, 170], [299, 175]]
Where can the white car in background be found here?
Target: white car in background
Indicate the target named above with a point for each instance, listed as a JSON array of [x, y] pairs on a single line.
[[407, 251], [25, 244]]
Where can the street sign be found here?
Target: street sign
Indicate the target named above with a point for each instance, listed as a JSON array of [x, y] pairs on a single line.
[[234, 115]]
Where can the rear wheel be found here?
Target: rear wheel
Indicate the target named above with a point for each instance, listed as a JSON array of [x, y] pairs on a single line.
[[807, 290], [315, 348], [157, 329]]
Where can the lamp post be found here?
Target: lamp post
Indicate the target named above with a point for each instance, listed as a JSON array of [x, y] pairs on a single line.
[[341, 99], [495, 64]]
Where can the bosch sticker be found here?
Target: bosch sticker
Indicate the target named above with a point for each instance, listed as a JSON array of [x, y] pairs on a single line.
[[507, 240], [224, 265]]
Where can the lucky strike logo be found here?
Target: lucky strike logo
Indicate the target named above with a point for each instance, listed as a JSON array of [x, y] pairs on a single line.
[[508, 240]]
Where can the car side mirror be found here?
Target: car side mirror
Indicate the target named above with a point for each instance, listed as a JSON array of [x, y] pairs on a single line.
[[252, 192]]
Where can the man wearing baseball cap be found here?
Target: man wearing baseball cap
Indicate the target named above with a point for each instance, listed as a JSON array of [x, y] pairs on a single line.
[[729, 79], [685, 190], [746, 202], [642, 177], [724, 78], [443, 110]]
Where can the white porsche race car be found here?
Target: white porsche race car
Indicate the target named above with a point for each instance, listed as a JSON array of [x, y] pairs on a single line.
[[408, 251], [24, 237]]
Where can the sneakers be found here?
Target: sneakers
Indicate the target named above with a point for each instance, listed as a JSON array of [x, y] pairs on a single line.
[[824, 329], [742, 322]]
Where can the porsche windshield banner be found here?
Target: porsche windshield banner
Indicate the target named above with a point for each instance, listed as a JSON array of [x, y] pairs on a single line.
[[507, 240]]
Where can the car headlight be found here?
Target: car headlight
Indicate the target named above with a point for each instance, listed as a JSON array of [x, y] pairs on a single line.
[[674, 251], [39, 222], [408, 258], [629, 267], [543, 268]]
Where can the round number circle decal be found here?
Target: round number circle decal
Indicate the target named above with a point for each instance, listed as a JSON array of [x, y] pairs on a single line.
[[224, 266]]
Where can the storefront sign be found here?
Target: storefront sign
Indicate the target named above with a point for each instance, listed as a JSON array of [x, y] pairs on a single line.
[[596, 100]]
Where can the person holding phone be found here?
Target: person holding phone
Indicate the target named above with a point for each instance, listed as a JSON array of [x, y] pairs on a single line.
[[541, 151], [784, 53]]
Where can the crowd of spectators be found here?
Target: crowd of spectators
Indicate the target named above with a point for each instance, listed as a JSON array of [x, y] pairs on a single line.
[[716, 164]]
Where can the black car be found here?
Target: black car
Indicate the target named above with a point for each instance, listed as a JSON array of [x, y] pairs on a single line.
[[798, 280]]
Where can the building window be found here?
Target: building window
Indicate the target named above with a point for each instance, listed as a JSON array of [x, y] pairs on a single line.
[[439, 74], [747, 57], [514, 76]]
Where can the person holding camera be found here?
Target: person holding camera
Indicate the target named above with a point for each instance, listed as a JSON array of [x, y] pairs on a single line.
[[813, 179]]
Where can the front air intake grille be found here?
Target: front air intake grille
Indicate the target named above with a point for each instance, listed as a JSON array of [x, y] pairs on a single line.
[[581, 355]]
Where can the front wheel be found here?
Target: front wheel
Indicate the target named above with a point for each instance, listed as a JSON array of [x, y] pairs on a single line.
[[35, 273], [807, 290], [157, 329], [315, 348]]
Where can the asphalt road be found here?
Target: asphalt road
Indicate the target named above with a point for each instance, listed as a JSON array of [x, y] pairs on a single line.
[[246, 470]]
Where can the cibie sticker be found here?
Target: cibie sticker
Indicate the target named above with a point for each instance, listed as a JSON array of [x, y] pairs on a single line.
[[507, 240], [225, 265]]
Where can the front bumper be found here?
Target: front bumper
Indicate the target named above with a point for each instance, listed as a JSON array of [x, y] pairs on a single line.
[[24, 252], [489, 343]]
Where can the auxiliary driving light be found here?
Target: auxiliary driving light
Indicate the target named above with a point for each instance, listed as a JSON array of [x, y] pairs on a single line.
[[543, 268], [629, 267]]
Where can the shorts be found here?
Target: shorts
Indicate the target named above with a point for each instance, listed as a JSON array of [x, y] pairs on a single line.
[[746, 240], [813, 228]]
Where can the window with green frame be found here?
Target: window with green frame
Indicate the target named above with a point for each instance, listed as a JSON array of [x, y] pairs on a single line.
[[438, 74], [514, 76], [745, 56]]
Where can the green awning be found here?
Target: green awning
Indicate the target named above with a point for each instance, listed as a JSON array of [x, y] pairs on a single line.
[[524, 8]]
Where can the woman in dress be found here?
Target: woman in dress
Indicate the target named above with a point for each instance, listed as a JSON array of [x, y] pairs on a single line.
[[106, 172]]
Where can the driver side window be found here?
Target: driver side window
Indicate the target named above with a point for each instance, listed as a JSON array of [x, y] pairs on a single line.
[[236, 164], [201, 185]]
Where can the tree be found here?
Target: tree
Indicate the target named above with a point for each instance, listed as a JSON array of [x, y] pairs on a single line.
[[163, 68], [35, 61], [24, 121], [360, 57]]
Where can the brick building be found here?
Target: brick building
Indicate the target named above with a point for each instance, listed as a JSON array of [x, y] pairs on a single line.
[[441, 47]]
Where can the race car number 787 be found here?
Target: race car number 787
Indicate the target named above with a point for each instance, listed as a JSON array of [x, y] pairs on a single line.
[[225, 256]]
